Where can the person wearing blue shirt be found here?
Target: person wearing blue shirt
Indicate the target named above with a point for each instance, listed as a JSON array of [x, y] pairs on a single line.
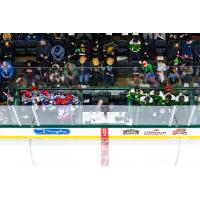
[[57, 53], [6, 70], [187, 49]]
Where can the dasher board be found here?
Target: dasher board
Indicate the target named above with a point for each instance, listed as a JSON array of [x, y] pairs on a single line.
[[100, 133]]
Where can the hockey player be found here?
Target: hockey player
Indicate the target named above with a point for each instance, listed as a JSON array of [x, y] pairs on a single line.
[[72, 99], [181, 99], [168, 100], [57, 100], [146, 100], [46, 98], [134, 95], [27, 98], [157, 96]]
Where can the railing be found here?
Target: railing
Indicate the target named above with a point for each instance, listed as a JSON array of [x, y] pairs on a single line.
[[103, 116]]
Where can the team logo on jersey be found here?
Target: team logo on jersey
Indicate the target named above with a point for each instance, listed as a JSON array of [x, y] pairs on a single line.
[[179, 131], [52, 131]]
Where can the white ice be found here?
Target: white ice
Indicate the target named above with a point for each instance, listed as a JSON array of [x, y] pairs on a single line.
[[83, 153]]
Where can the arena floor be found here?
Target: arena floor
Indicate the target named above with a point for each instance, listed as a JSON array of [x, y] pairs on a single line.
[[84, 153]]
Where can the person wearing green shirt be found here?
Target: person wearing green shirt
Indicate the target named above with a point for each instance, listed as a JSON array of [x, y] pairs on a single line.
[[167, 100], [147, 67], [157, 96], [134, 95], [135, 48]]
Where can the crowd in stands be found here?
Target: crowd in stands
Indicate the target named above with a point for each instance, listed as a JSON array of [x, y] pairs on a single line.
[[73, 60]]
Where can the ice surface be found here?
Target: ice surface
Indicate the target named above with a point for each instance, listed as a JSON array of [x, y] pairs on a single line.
[[84, 153]]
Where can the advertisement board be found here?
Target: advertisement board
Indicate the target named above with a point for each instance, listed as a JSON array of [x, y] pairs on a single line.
[[100, 133]]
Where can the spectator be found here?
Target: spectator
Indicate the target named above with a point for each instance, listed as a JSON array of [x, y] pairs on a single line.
[[135, 48], [71, 74], [187, 49], [96, 71], [43, 50], [110, 49], [58, 36], [83, 70], [147, 67], [161, 70], [57, 53], [109, 75], [151, 78], [56, 75], [81, 50], [71, 45], [7, 36], [173, 75], [147, 50], [8, 51], [6, 71], [187, 72], [32, 36], [174, 51], [97, 49], [32, 74]]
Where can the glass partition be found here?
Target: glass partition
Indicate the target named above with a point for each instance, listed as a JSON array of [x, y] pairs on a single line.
[[81, 115], [118, 76]]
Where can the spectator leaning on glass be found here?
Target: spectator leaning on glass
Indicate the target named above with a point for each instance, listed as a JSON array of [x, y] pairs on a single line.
[[83, 70], [6, 70], [56, 75], [161, 70], [187, 72], [70, 72], [96, 71], [109, 75]]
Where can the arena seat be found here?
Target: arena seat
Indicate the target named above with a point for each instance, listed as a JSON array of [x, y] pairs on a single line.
[[122, 52], [20, 52], [20, 44], [19, 64], [31, 51], [160, 51], [160, 44], [122, 43], [31, 43]]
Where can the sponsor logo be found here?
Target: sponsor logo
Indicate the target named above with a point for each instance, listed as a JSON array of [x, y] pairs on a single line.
[[52, 131], [104, 133], [131, 132], [155, 131], [179, 131]]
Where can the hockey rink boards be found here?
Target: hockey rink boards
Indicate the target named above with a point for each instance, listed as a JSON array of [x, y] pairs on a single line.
[[100, 133]]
